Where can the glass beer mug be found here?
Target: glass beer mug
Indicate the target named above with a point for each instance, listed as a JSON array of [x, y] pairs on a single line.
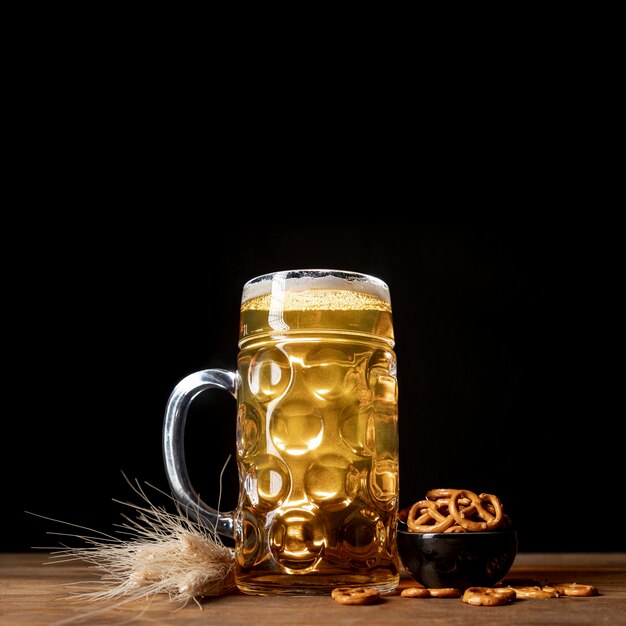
[[316, 438]]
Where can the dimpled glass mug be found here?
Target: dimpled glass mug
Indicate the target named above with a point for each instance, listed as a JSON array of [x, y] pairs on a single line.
[[317, 435]]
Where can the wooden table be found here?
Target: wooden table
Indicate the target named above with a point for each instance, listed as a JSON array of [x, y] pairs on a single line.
[[31, 593]]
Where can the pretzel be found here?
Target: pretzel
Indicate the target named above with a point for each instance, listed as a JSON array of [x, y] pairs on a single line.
[[455, 529], [454, 510], [435, 494], [490, 522], [429, 511], [415, 592], [355, 595], [420, 592], [576, 589], [488, 596], [536, 591], [445, 592]]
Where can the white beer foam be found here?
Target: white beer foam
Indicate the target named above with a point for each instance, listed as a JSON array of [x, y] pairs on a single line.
[[326, 289]]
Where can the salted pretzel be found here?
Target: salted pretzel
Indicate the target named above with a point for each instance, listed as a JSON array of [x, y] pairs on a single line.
[[455, 510]]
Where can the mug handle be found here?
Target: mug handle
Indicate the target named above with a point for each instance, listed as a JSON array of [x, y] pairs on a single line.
[[174, 449]]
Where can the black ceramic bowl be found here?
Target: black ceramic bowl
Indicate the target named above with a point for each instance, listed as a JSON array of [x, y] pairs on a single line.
[[460, 560]]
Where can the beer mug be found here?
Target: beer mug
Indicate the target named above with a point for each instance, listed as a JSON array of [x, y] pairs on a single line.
[[316, 437]]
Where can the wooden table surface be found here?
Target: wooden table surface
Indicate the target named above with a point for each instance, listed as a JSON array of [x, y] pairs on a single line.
[[36, 594]]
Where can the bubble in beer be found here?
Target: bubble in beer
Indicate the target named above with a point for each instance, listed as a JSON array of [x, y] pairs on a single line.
[[317, 300]]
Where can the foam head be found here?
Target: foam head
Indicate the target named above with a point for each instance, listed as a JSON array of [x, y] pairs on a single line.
[[322, 299]]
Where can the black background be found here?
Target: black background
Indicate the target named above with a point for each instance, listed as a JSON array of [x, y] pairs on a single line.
[[505, 336]]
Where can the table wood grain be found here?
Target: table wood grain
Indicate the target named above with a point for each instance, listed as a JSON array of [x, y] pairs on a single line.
[[34, 591]]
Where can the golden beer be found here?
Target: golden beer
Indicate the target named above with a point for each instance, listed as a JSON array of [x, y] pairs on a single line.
[[317, 442]]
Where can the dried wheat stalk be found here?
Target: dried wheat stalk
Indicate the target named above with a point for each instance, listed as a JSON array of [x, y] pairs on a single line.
[[160, 553]]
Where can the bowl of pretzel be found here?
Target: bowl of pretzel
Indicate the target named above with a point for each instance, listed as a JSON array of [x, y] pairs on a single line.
[[456, 538]]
